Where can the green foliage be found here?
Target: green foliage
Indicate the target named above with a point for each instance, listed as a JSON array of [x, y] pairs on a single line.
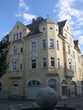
[[3, 57]]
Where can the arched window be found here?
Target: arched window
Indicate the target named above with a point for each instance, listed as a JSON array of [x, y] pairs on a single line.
[[34, 83]]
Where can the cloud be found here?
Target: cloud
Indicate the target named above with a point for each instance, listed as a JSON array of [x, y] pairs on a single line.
[[26, 16], [24, 12], [22, 4], [81, 40], [68, 10]]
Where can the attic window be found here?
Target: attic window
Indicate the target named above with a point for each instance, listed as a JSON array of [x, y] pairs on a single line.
[[51, 28]]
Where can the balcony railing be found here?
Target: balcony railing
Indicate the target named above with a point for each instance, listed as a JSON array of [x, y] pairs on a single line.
[[69, 73], [55, 70]]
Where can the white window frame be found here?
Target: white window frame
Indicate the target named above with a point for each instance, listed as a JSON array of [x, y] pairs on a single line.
[[51, 43]]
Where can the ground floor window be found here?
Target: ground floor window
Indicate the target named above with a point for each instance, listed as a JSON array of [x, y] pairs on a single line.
[[34, 83], [64, 90], [33, 88], [15, 87]]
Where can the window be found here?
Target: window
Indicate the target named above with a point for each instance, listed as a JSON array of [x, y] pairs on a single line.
[[64, 90], [34, 83], [51, 28], [68, 49], [14, 66], [44, 62], [21, 50], [58, 62], [33, 45], [33, 63], [44, 43], [70, 66], [20, 35], [17, 36], [21, 67], [33, 49], [14, 50], [52, 61], [51, 43], [57, 45], [16, 85]]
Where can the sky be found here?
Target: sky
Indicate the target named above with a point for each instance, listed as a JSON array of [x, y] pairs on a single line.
[[24, 10]]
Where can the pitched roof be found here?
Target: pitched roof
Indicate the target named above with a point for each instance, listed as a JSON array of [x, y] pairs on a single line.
[[34, 26], [75, 42], [76, 45], [61, 24]]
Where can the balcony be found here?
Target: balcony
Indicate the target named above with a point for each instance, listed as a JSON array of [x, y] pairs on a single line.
[[55, 71], [52, 69], [69, 73], [15, 74]]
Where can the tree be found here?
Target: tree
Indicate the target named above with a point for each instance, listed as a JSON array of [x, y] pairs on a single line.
[[3, 57]]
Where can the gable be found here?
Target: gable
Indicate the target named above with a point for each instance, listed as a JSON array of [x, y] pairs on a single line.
[[19, 30]]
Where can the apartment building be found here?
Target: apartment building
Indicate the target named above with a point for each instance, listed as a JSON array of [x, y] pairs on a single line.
[[43, 54]]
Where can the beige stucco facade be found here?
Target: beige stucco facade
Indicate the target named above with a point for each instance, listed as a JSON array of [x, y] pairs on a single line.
[[61, 71]]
